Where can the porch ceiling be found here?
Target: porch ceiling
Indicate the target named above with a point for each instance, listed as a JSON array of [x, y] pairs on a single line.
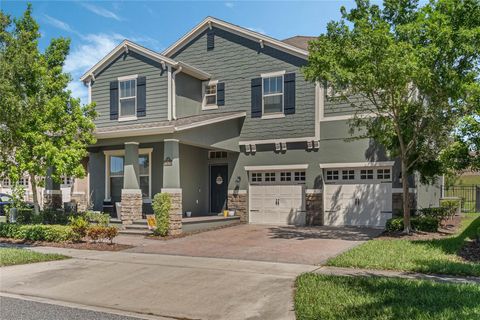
[[166, 127]]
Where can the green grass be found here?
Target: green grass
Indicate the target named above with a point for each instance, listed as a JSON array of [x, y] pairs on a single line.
[[425, 256], [11, 256], [371, 298]]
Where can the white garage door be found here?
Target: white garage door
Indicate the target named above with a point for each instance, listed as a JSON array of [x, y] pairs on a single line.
[[276, 202], [350, 203]]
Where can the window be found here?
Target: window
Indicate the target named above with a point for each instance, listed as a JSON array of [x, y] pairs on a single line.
[[366, 174], [273, 94], [332, 175], [299, 176], [217, 155], [285, 176], [6, 182], [269, 176], [256, 177], [128, 98], [116, 174], [348, 174], [383, 174], [210, 95], [23, 182]]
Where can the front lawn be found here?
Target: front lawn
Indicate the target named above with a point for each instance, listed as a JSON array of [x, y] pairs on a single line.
[[425, 256], [11, 256], [336, 297]]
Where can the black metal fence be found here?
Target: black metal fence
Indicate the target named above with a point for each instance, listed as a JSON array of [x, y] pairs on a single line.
[[469, 195]]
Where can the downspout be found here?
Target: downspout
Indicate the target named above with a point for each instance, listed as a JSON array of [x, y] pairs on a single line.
[[174, 93], [169, 94]]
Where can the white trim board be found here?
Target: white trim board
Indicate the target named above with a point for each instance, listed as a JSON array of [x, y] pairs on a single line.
[[209, 22], [277, 167], [357, 164]]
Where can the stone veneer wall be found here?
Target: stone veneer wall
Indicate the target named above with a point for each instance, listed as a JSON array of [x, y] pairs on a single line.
[[238, 201], [314, 208], [397, 202], [131, 205], [81, 200], [52, 200], [175, 227]]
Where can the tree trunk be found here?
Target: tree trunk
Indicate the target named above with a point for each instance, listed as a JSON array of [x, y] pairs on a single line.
[[36, 205], [406, 200]]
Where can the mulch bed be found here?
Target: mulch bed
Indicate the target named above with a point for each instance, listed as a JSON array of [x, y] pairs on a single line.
[[186, 234], [84, 245], [470, 251], [447, 228]]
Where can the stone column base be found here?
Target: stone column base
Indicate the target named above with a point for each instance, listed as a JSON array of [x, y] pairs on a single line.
[[314, 208], [52, 199], [237, 200], [175, 226], [80, 198], [131, 205]]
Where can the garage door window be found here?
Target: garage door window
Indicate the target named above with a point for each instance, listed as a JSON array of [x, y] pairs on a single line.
[[348, 174], [270, 177], [383, 174], [366, 174], [285, 176], [332, 175], [256, 177], [299, 176]]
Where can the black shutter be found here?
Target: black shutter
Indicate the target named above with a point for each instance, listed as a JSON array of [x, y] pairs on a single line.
[[221, 94], [141, 96], [256, 97], [114, 100], [210, 40], [289, 98]]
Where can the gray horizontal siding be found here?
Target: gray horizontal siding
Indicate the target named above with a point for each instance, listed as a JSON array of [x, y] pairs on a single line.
[[188, 95], [129, 65], [335, 106], [235, 61]]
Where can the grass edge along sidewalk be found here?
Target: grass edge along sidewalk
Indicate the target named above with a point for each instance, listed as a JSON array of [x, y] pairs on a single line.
[[14, 256], [329, 297], [438, 256]]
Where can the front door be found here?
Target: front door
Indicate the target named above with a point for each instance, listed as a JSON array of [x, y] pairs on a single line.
[[218, 188]]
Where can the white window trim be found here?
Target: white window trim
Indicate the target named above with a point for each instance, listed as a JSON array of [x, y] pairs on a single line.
[[273, 115], [127, 118], [204, 97], [143, 151]]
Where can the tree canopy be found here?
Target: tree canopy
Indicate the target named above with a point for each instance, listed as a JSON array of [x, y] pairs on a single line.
[[416, 69], [41, 124]]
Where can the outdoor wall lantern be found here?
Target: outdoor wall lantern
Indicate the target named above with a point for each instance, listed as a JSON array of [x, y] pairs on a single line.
[[167, 162], [238, 179]]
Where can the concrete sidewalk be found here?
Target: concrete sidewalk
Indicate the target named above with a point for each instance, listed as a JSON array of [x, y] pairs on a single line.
[[161, 285]]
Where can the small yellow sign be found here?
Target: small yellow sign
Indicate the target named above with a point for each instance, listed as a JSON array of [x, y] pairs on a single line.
[[151, 222]]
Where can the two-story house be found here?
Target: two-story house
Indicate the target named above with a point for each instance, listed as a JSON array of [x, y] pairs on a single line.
[[224, 119]]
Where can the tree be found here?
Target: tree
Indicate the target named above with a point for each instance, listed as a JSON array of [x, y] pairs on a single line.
[[413, 72], [41, 125]]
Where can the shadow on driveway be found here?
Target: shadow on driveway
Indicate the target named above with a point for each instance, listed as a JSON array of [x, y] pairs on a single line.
[[324, 232]]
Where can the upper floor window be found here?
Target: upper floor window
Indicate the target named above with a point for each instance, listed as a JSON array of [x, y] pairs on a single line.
[[210, 95], [128, 97], [273, 94]]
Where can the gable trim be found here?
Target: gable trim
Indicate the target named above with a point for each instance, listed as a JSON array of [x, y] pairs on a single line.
[[127, 45], [252, 35]]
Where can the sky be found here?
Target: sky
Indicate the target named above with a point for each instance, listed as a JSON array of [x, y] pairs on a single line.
[[96, 27]]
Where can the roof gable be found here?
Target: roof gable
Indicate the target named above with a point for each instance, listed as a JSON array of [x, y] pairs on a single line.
[[126, 46], [210, 22]]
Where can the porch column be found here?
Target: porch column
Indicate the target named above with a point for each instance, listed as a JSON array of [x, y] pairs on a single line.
[[131, 204], [171, 183], [52, 196]]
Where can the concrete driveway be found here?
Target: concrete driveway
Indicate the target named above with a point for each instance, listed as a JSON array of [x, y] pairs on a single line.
[[260, 243]]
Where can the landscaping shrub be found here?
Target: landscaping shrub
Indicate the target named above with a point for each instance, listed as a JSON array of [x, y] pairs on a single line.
[[53, 216], [24, 216], [102, 219], [97, 233], [38, 232], [452, 206], [436, 213], [79, 225], [162, 204], [419, 223]]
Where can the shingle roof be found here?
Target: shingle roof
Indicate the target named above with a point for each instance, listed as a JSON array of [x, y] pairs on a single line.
[[299, 41]]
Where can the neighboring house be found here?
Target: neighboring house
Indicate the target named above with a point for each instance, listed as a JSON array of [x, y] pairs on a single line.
[[224, 119]]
